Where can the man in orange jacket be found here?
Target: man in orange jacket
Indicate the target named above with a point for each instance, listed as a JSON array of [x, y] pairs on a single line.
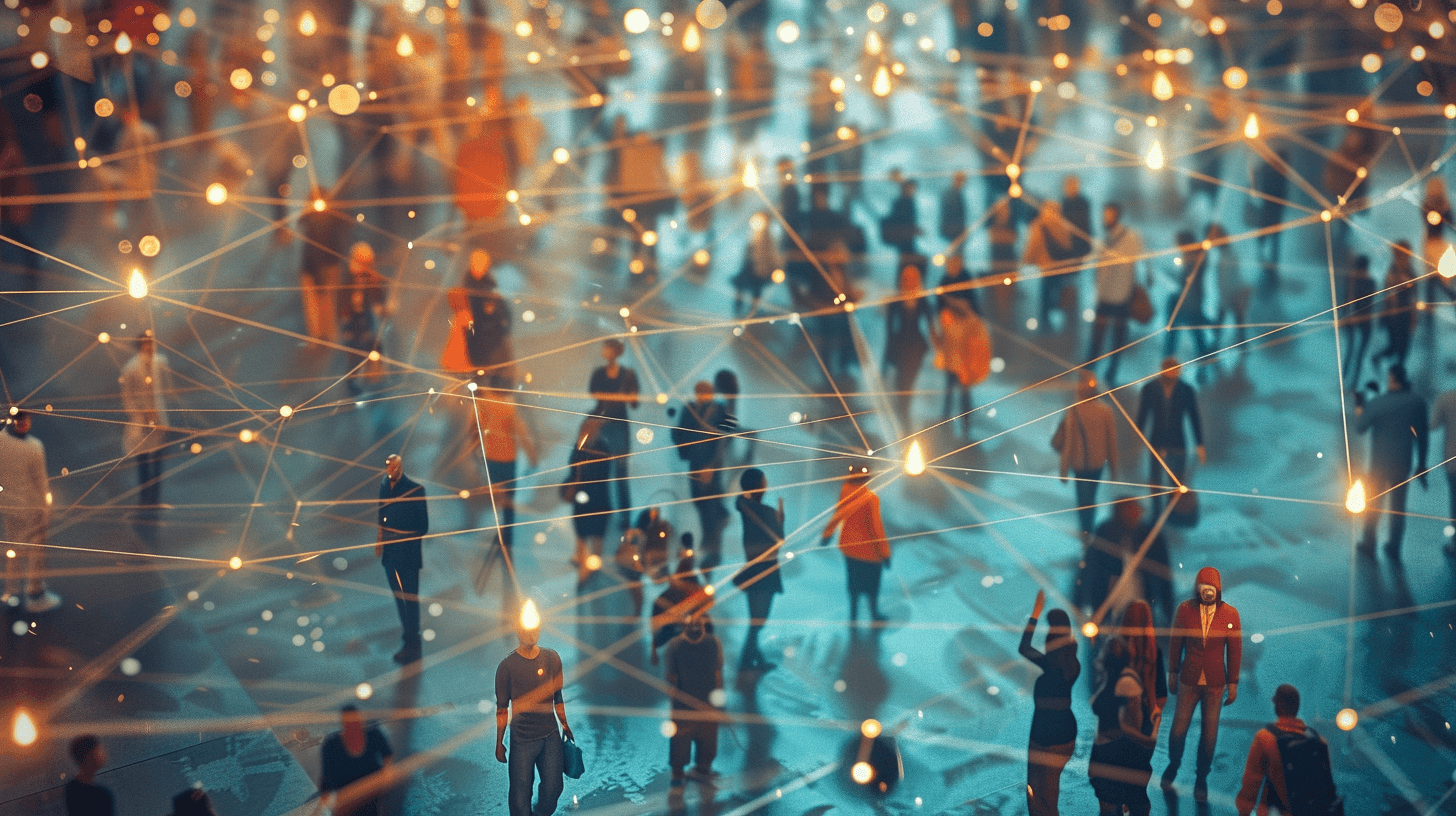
[[861, 539], [1205, 649], [1265, 761]]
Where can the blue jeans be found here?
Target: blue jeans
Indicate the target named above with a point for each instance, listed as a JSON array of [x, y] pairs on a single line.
[[525, 761]]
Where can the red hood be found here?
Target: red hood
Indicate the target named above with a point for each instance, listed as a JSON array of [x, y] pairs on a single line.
[[1209, 575]]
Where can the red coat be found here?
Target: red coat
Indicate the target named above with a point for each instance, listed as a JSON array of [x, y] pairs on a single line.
[[1216, 657], [863, 535]]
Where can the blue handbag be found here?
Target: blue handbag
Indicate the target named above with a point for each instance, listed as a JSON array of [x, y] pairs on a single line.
[[571, 760]]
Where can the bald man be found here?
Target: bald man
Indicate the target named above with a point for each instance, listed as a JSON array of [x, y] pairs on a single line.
[[404, 518]]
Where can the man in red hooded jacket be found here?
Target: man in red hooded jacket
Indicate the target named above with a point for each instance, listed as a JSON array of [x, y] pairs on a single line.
[[1205, 648]]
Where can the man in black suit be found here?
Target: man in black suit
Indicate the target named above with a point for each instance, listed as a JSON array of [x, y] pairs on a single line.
[[403, 519]]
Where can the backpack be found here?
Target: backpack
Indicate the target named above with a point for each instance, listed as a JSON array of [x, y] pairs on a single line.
[[1307, 778]]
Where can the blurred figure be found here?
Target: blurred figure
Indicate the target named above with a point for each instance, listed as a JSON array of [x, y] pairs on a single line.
[[322, 229], [901, 226], [501, 435], [83, 796], [685, 597], [1186, 314], [1233, 292], [1053, 725], [1115, 281], [1087, 442], [761, 261], [700, 437], [862, 541], [1291, 762], [1122, 752], [1002, 233], [1396, 421], [1077, 211], [488, 335], [953, 220], [1268, 179], [348, 758], [587, 488], [1145, 657], [145, 382], [964, 352], [25, 510], [1436, 208], [1357, 314], [1443, 418], [1165, 405], [1398, 312], [1048, 246], [192, 802], [615, 388], [1103, 584], [694, 672], [759, 580], [907, 321]]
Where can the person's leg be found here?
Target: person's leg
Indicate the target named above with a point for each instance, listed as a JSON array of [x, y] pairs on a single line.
[[30, 531], [1099, 330], [873, 572], [1056, 759], [1119, 340], [1374, 489], [759, 604], [550, 764], [1086, 491], [1037, 801], [678, 748], [1397, 514], [1211, 699], [521, 773], [405, 584], [1178, 733], [852, 581], [502, 478], [705, 748]]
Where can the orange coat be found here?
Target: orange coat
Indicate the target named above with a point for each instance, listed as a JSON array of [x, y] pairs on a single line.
[[862, 536]]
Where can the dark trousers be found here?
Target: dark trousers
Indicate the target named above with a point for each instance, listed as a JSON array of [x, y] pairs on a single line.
[[1210, 700], [527, 760], [1086, 489], [617, 443], [696, 737], [149, 477], [706, 487], [863, 579], [1114, 315], [405, 584], [502, 477], [1394, 503], [1451, 486], [760, 602], [1177, 461]]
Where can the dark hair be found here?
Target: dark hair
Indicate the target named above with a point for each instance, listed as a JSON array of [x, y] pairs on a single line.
[[1286, 701], [753, 480], [1116, 656], [614, 344], [192, 802], [1059, 619], [348, 708], [726, 382], [82, 746], [1361, 263]]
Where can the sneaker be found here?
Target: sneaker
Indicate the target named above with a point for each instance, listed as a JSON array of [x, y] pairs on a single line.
[[43, 601]]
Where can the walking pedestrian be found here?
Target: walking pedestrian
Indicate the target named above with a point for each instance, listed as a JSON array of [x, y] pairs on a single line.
[[759, 580], [900, 228], [1291, 763], [1146, 657], [145, 382], [700, 437], [1077, 211], [1398, 307], [1048, 246], [694, 671], [25, 511], [1436, 207], [502, 435], [1398, 429], [1205, 651], [83, 796], [1122, 752], [685, 597], [351, 759], [953, 221], [1165, 405], [1357, 314], [1233, 292], [1115, 281], [615, 388], [907, 321], [1053, 725], [588, 488], [963, 353], [488, 335], [1268, 178], [1185, 306], [322, 229], [761, 262], [1106, 556], [862, 541], [1443, 417], [1087, 441], [528, 686], [404, 518]]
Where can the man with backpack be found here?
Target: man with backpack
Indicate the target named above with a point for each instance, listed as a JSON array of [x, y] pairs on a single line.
[[1291, 763]]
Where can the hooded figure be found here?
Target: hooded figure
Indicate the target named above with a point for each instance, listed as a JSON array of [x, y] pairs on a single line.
[[1205, 649]]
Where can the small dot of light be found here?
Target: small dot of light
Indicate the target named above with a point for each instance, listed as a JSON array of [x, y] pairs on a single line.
[[649, 238], [1155, 156], [993, 690], [343, 99], [428, 635], [1014, 192], [318, 645], [862, 773], [123, 43], [136, 285], [267, 614], [1251, 127], [1326, 215], [39, 60], [196, 447], [661, 398], [1388, 16], [285, 411], [525, 222], [523, 29], [927, 45], [1418, 53], [1217, 25], [131, 667], [1121, 69], [235, 563], [297, 112], [636, 21], [103, 338], [1183, 56], [245, 435], [1446, 267], [1155, 19], [512, 196], [1355, 498], [363, 691], [374, 356], [1235, 78], [880, 85], [1162, 87], [1423, 88], [1152, 121], [870, 728], [1089, 630], [668, 729], [299, 640], [953, 55], [528, 316], [216, 193], [1437, 30], [327, 80], [711, 13], [1036, 86], [104, 107], [1274, 7], [1061, 60], [701, 257], [1347, 719], [240, 79]]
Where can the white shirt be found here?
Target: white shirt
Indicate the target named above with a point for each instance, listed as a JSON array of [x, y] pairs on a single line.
[[1117, 265]]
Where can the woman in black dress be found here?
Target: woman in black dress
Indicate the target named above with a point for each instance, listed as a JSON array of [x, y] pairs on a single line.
[[1122, 753], [587, 487], [349, 755], [1053, 726], [763, 534]]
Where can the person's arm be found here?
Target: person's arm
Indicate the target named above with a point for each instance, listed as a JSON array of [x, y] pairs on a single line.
[[1109, 432], [633, 388], [1256, 767], [1026, 649], [1145, 406], [1235, 640], [502, 713], [1059, 442], [877, 529], [835, 520], [560, 702], [1191, 399], [1131, 718], [1175, 648], [423, 507]]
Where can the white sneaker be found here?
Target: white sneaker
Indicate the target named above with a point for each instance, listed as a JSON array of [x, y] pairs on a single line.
[[44, 602]]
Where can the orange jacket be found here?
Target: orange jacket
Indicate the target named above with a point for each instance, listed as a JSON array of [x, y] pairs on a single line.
[[863, 535], [1264, 762]]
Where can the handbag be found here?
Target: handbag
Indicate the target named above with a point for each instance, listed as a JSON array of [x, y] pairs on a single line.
[[572, 763], [1140, 306]]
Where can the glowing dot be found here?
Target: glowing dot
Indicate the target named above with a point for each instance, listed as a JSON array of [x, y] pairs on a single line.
[[131, 667], [1257, 637], [668, 729], [1162, 87], [245, 435], [993, 690], [137, 285], [1326, 215], [1418, 52], [1089, 630], [1388, 17], [649, 238], [216, 193], [915, 459], [39, 60], [701, 257], [1447, 265], [196, 447], [870, 728], [344, 99], [636, 21], [1352, 115], [1347, 719], [1061, 60], [428, 635], [103, 338], [1155, 156], [880, 86], [1235, 78], [123, 43], [862, 773], [1035, 86], [374, 356], [1217, 25], [23, 730], [235, 563], [528, 316], [1251, 127], [1274, 7], [104, 107], [1355, 498], [1031, 324], [530, 618], [840, 686]]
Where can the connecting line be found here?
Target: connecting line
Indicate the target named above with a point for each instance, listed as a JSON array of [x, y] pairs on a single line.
[[55, 312], [1411, 478], [1339, 363], [500, 536], [1177, 483], [1136, 561], [1190, 280], [832, 384]]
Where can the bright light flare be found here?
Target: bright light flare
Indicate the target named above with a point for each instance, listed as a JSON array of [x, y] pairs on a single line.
[[1155, 156], [862, 773], [915, 459], [216, 193], [1447, 265], [788, 32], [1347, 719], [750, 175], [871, 728], [1089, 630], [1355, 499], [136, 285], [23, 731], [1162, 87], [880, 86], [235, 563], [636, 21], [123, 43], [692, 38], [530, 618], [307, 24], [405, 46], [1251, 127]]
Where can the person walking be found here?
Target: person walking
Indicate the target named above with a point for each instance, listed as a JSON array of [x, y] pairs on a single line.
[[145, 382], [1398, 429], [1290, 762], [1077, 211], [907, 320], [700, 438], [1165, 405], [502, 435], [1357, 314], [953, 221], [615, 388], [404, 518], [862, 540], [1122, 752], [528, 686], [900, 228], [322, 229], [759, 580], [1205, 651], [1053, 725], [1185, 306], [83, 796], [1443, 418], [348, 759], [963, 352], [588, 489], [762, 261], [1087, 441], [1233, 293], [1115, 281], [693, 667], [488, 334], [25, 511], [1105, 559], [1398, 307], [1048, 246]]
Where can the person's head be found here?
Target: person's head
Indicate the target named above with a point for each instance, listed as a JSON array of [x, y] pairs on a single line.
[[480, 262], [1051, 211], [1111, 214], [1208, 586], [703, 391], [819, 196], [88, 753], [612, 349], [693, 628], [753, 481], [1397, 379], [1116, 656], [1186, 242], [1435, 188], [1171, 370], [1216, 232], [1071, 187], [1286, 701], [394, 466], [910, 281], [1137, 619], [146, 343], [192, 802], [1059, 628], [908, 187], [1128, 511], [1360, 266], [785, 168], [955, 265], [725, 382], [20, 423], [351, 718], [1086, 386], [858, 474]]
